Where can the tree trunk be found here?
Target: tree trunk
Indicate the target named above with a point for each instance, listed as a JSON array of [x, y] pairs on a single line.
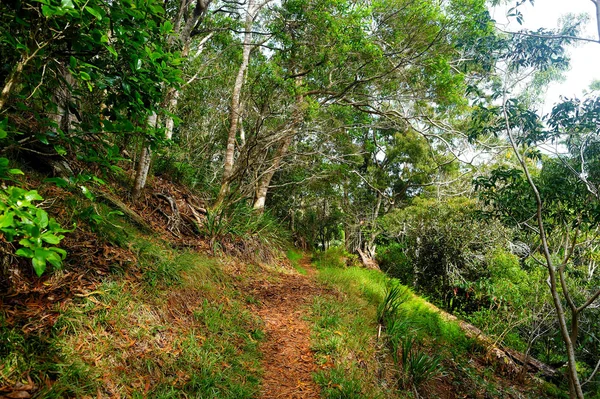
[[12, 80], [574, 383], [143, 166], [265, 180], [235, 106]]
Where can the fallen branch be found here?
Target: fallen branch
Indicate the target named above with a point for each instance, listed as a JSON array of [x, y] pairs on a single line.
[[131, 214]]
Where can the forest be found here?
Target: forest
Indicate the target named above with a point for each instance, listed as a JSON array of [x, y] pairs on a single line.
[[189, 186]]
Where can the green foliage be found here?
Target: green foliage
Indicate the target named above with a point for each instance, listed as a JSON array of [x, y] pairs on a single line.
[[335, 257], [418, 366], [392, 259], [257, 231], [388, 309], [445, 247], [36, 233], [294, 258]]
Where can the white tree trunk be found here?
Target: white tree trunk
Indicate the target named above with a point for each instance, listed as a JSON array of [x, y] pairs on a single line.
[[143, 166], [265, 180], [234, 114]]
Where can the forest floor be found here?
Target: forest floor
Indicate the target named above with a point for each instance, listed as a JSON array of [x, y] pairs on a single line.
[[288, 361]]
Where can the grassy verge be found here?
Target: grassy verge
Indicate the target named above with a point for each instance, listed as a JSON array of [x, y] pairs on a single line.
[[418, 353], [177, 327], [345, 336], [294, 257]]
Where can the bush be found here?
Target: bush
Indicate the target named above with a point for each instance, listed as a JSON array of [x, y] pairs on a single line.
[[394, 261], [446, 247], [336, 257], [244, 231]]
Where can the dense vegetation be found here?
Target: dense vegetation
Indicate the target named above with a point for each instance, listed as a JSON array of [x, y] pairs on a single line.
[[347, 128]]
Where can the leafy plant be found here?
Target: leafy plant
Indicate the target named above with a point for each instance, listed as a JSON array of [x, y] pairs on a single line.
[[22, 220], [418, 366], [387, 311]]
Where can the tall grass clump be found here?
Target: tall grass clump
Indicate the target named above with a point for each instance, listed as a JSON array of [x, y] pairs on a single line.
[[241, 230], [415, 366]]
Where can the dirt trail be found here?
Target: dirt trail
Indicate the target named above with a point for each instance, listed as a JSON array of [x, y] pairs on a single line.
[[288, 361]]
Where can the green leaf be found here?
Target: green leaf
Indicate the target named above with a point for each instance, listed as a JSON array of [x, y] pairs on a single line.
[[33, 196], [112, 51], [16, 172], [42, 218], [88, 194], [67, 4], [51, 238], [59, 181], [6, 220], [94, 12], [54, 259], [48, 11], [39, 265], [84, 75], [59, 251], [24, 252]]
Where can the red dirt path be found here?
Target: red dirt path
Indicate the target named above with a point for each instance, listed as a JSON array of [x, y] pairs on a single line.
[[288, 361]]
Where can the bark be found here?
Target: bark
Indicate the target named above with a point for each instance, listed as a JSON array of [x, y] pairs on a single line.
[[143, 165], [191, 19], [234, 114], [172, 95], [265, 179], [12, 80], [62, 97], [114, 201], [370, 245]]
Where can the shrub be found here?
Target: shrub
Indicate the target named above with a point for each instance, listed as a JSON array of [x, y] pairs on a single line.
[[336, 257], [22, 221], [393, 260]]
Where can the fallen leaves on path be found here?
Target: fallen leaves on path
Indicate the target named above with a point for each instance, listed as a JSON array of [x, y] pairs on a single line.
[[288, 361]]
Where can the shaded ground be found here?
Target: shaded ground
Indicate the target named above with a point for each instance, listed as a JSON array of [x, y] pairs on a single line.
[[288, 361]]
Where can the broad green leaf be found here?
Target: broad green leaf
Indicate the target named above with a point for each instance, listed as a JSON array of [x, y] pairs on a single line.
[[6, 220], [48, 11], [94, 12], [39, 264], [59, 251], [67, 4], [41, 218], [24, 252], [59, 181], [51, 238], [33, 196], [55, 261]]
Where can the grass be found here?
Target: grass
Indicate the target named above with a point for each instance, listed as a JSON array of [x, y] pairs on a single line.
[[344, 337], [419, 353], [178, 329], [294, 258]]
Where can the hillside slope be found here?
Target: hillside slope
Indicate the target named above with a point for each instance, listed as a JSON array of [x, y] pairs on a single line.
[[138, 314]]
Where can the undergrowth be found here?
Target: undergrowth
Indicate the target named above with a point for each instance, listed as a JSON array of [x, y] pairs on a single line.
[[173, 327], [413, 351]]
